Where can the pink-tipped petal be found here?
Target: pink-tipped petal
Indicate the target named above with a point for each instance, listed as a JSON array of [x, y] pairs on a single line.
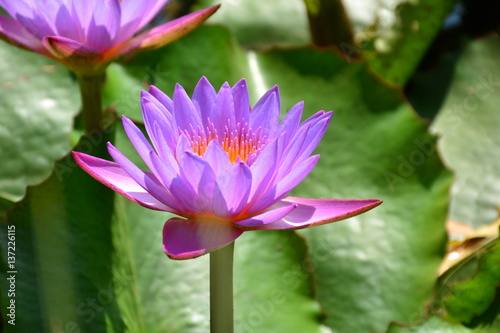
[[276, 212], [66, 48], [114, 177], [186, 239], [312, 212], [165, 33], [146, 180]]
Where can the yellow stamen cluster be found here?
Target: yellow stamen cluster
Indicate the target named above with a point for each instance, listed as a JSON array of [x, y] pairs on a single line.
[[239, 141]]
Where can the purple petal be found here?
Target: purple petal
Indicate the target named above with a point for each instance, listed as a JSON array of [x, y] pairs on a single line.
[[263, 171], [233, 190], [136, 14], [285, 185], [186, 115], [67, 25], [183, 145], [304, 142], [138, 140], [17, 8], [223, 110], [14, 33], [66, 48], [152, 114], [291, 122], [241, 101], [312, 212], [83, 12], [104, 25], [195, 171], [203, 99], [166, 149], [113, 176], [216, 157], [273, 214], [314, 136], [147, 180], [177, 186], [266, 113], [38, 20], [165, 33], [186, 239], [161, 97]]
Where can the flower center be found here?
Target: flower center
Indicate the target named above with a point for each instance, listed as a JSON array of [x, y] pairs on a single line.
[[238, 141]]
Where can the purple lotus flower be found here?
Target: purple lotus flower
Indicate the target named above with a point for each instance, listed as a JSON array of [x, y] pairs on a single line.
[[86, 35], [221, 166]]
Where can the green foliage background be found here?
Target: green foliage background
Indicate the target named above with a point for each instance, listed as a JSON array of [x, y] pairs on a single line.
[[424, 141]]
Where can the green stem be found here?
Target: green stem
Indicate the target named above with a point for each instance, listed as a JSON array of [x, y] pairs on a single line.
[[221, 290], [90, 91]]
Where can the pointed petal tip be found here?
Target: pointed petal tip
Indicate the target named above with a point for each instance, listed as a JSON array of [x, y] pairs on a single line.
[[314, 212], [76, 156], [167, 32]]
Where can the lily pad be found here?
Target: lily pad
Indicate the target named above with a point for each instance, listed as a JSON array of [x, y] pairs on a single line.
[[258, 24], [470, 290], [38, 100], [399, 48], [63, 254], [468, 128]]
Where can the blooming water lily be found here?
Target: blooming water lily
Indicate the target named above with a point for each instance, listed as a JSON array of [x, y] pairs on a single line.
[[86, 35], [223, 167]]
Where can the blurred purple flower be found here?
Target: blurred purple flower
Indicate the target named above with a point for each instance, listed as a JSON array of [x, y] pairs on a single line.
[[86, 35], [222, 166]]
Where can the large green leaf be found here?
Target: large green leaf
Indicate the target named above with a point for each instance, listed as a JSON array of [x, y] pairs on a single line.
[[437, 325], [468, 126], [468, 293], [63, 253], [399, 48], [375, 147], [38, 100], [259, 23]]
